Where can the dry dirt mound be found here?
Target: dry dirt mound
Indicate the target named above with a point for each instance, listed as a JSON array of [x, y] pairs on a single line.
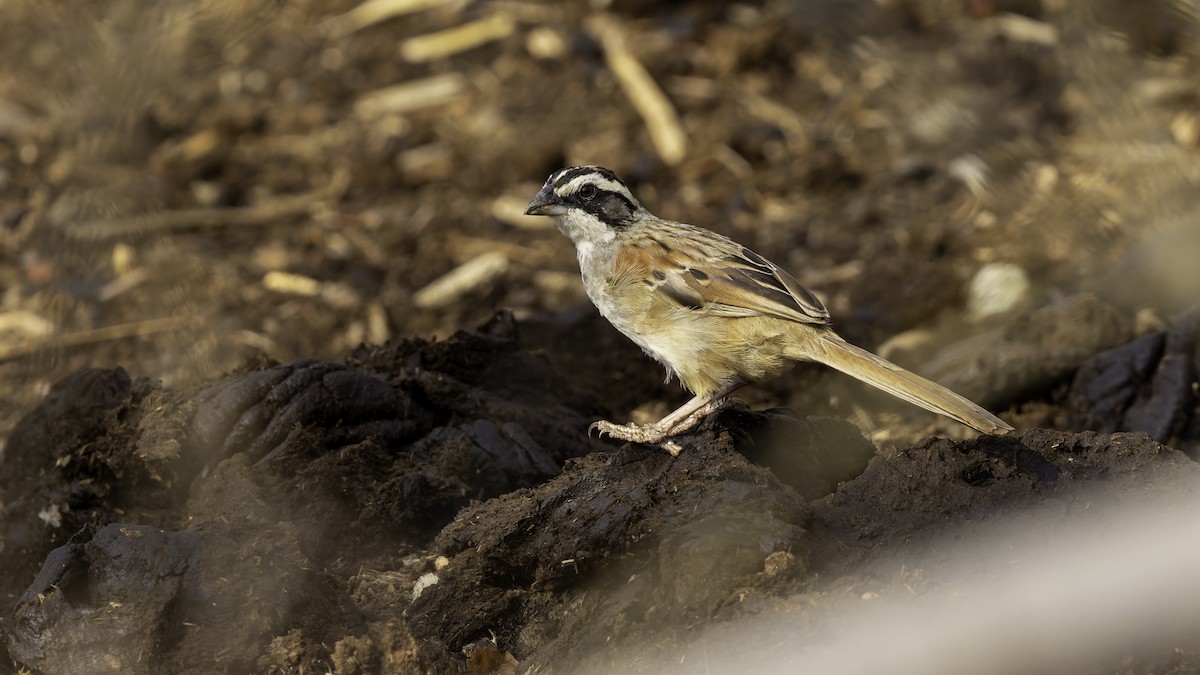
[[431, 497]]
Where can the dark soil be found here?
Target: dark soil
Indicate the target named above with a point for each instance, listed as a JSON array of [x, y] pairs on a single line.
[[286, 518], [234, 440]]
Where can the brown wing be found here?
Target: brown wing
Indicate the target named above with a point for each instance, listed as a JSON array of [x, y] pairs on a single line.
[[712, 273]]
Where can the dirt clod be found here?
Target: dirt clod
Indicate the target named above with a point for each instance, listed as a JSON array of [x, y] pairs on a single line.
[[1146, 385]]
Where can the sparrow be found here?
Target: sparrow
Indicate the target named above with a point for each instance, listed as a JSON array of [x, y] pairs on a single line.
[[717, 315]]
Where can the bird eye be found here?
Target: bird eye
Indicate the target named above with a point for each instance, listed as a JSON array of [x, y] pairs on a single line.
[[587, 191]]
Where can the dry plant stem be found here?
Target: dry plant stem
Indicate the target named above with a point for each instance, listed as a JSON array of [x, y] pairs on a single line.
[[405, 97], [474, 273], [184, 219], [1024, 29], [375, 11], [662, 122], [102, 334], [123, 284], [26, 323], [773, 112], [447, 43]]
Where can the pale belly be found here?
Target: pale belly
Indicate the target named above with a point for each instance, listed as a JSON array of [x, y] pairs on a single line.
[[706, 352], [697, 348]]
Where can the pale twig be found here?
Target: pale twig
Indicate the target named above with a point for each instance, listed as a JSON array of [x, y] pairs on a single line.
[[378, 331], [259, 214], [409, 96], [461, 280], [447, 43], [529, 12], [91, 336], [662, 122], [462, 246], [123, 284], [25, 322], [1024, 29], [291, 284], [376, 11], [789, 121]]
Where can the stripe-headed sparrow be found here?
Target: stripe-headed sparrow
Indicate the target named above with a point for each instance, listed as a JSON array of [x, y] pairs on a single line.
[[715, 313]]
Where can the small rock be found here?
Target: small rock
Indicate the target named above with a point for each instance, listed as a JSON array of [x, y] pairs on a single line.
[[997, 288]]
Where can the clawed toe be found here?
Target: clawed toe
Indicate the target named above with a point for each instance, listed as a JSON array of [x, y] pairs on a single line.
[[605, 428], [648, 434]]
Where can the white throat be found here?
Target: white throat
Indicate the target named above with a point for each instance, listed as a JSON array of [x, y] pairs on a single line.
[[595, 246], [582, 228], [583, 250]]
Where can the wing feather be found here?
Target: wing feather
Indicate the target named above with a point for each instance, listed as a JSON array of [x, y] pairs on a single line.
[[708, 272]]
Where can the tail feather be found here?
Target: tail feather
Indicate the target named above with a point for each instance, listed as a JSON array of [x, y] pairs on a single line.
[[879, 372]]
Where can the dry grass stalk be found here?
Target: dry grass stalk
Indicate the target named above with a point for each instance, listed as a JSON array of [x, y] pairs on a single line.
[[409, 96], [1024, 29], [376, 11], [291, 284], [25, 323], [461, 280], [467, 247], [789, 121], [447, 43], [378, 331], [102, 334], [123, 284], [260, 214], [662, 122]]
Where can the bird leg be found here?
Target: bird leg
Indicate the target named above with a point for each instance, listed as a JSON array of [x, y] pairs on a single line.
[[682, 419]]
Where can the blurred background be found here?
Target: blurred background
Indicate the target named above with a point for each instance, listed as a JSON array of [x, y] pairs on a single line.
[[200, 184], [196, 186]]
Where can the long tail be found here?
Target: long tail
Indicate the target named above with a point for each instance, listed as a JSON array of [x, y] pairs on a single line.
[[879, 372]]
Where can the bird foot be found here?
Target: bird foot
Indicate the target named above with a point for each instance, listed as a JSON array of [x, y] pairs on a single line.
[[661, 431], [647, 434], [637, 433]]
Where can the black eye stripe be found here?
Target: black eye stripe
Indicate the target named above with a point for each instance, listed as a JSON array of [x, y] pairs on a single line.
[[599, 196], [613, 208]]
